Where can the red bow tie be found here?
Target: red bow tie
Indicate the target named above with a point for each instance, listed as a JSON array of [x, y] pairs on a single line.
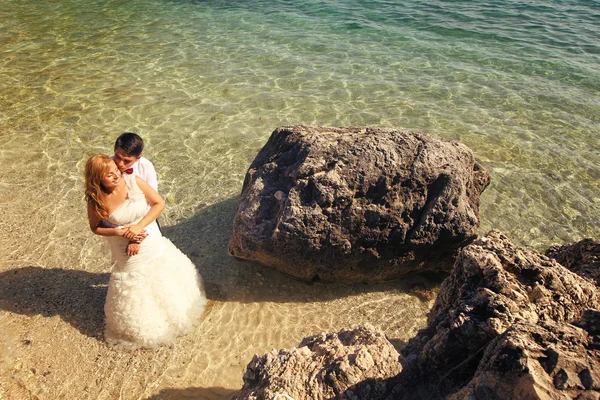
[[128, 171]]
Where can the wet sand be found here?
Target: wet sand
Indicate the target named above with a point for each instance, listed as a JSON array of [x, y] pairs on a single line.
[[52, 294]]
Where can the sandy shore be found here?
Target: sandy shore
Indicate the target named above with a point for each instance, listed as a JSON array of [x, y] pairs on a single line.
[[52, 290]]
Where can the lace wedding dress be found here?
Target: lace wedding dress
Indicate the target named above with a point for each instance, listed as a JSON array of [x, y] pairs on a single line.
[[153, 296]]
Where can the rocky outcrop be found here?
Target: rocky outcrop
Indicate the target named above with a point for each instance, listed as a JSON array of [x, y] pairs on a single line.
[[582, 257], [357, 204], [508, 323], [548, 360], [496, 287], [323, 367]]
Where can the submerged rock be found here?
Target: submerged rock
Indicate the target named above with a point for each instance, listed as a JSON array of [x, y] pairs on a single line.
[[323, 367], [357, 204]]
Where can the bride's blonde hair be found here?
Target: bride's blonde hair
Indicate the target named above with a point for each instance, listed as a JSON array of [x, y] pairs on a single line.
[[95, 169]]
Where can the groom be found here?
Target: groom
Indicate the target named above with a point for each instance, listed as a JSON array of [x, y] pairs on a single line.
[[129, 160]]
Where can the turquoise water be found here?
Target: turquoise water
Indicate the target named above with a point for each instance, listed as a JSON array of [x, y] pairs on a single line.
[[206, 82]]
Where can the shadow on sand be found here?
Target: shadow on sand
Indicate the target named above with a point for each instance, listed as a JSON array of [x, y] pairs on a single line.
[[76, 296], [205, 237], [211, 393]]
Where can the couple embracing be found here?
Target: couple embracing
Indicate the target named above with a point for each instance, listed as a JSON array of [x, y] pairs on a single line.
[[155, 293]]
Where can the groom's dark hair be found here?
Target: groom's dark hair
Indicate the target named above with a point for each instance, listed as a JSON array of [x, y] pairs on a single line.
[[131, 143]]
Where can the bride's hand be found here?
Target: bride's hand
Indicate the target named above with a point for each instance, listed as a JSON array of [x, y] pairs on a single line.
[[132, 231], [139, 238]]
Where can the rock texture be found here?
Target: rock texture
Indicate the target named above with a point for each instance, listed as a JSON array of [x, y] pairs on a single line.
[[324, 367], [582, 257], [503, 304], [535, 361], [508, 323], [357, 204]]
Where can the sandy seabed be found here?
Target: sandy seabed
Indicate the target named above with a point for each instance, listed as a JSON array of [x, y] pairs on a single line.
[[51, 312]]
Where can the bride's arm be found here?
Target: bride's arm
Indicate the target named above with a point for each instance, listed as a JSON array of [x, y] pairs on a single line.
[[101, 230], [157, 204]]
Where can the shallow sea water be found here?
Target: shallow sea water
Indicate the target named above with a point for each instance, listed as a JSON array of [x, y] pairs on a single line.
[[205, 83]]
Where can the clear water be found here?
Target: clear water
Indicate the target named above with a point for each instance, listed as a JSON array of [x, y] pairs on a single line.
[[206, 82]]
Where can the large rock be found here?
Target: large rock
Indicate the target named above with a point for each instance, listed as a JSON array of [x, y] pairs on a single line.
[[496, 286], [323, 367], [357, 204]]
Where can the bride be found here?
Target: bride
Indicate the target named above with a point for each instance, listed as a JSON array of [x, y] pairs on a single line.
[[154, 292]]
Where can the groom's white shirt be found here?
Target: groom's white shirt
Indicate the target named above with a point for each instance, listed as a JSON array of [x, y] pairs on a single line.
[[145, 170]]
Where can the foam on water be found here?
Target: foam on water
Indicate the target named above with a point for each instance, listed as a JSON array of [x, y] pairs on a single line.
[[206, 82]]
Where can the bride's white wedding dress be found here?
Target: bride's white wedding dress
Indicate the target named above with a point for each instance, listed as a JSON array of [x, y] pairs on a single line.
[[153, 296]]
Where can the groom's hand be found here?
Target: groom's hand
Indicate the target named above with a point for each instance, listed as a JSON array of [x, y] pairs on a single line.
[[132, 249]]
